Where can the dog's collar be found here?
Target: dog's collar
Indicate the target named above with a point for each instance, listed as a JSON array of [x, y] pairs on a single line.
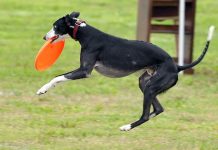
[[76, 27]]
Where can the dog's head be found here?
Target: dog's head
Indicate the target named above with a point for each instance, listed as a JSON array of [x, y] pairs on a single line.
[[62, 27]]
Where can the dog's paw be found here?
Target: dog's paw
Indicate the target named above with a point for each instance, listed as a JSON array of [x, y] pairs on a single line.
[[126, 127], [44, 89]]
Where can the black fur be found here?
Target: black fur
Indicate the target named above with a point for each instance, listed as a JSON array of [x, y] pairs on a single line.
[[117, 57]]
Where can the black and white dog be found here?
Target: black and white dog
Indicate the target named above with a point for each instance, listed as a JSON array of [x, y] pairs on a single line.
[[116, 57]]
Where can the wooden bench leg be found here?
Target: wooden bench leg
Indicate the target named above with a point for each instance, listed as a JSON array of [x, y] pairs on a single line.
[[144, 20]]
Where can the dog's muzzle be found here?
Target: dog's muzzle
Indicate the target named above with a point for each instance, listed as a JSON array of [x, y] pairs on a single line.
[[55, 38], [50, 34]]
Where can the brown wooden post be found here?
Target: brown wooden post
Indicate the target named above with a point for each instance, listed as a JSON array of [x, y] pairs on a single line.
[[189, 37], [144, 20], [149, 10]]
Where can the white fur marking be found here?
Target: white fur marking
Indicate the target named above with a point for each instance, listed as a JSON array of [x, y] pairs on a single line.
[[125, 127], [152, 115], [51, 84], [58, 79], [50, 34], [210, 33], [82, 24], [44, 89]]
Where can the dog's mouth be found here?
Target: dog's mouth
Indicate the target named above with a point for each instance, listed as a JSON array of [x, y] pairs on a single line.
[[54, 38], [51, 36]]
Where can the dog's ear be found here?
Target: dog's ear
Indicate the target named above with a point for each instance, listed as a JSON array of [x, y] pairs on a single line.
[[67, 19], [74, 14]]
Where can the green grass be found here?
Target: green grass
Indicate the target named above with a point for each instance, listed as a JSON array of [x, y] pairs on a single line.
[[86, 114]]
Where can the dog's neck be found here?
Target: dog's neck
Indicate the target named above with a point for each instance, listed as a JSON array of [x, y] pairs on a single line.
[[79, 23], [85, 34]]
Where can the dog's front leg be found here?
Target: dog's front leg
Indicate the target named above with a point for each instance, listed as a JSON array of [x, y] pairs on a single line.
[[87, 62], [77, 74], [51, 84]]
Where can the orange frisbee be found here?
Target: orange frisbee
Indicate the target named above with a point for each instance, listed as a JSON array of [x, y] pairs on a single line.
[[48, 54]]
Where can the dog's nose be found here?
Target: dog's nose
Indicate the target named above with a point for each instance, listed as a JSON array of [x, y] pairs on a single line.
[[44, 37]]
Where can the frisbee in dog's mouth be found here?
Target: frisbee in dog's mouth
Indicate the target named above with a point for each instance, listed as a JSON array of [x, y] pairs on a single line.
[[48, 54]]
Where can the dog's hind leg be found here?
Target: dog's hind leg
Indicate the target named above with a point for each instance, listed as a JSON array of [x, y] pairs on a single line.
[[157, 108], [158, 83], [143, 79]]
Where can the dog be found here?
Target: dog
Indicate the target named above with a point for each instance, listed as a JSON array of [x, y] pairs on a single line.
[[116, 57]]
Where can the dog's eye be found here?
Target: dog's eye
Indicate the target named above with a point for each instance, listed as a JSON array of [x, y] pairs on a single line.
[[56, 29]]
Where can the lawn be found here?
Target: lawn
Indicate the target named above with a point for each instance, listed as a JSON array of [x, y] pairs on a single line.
[[86, 114]]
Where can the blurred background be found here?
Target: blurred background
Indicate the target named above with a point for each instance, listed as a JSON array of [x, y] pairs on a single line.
[[87, 114]]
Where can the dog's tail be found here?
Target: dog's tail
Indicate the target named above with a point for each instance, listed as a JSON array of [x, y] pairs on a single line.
[[210, 35]]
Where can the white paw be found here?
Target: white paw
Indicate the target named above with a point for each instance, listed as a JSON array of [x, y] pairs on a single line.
[[44, 89], [152, 115], [125, 127]]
